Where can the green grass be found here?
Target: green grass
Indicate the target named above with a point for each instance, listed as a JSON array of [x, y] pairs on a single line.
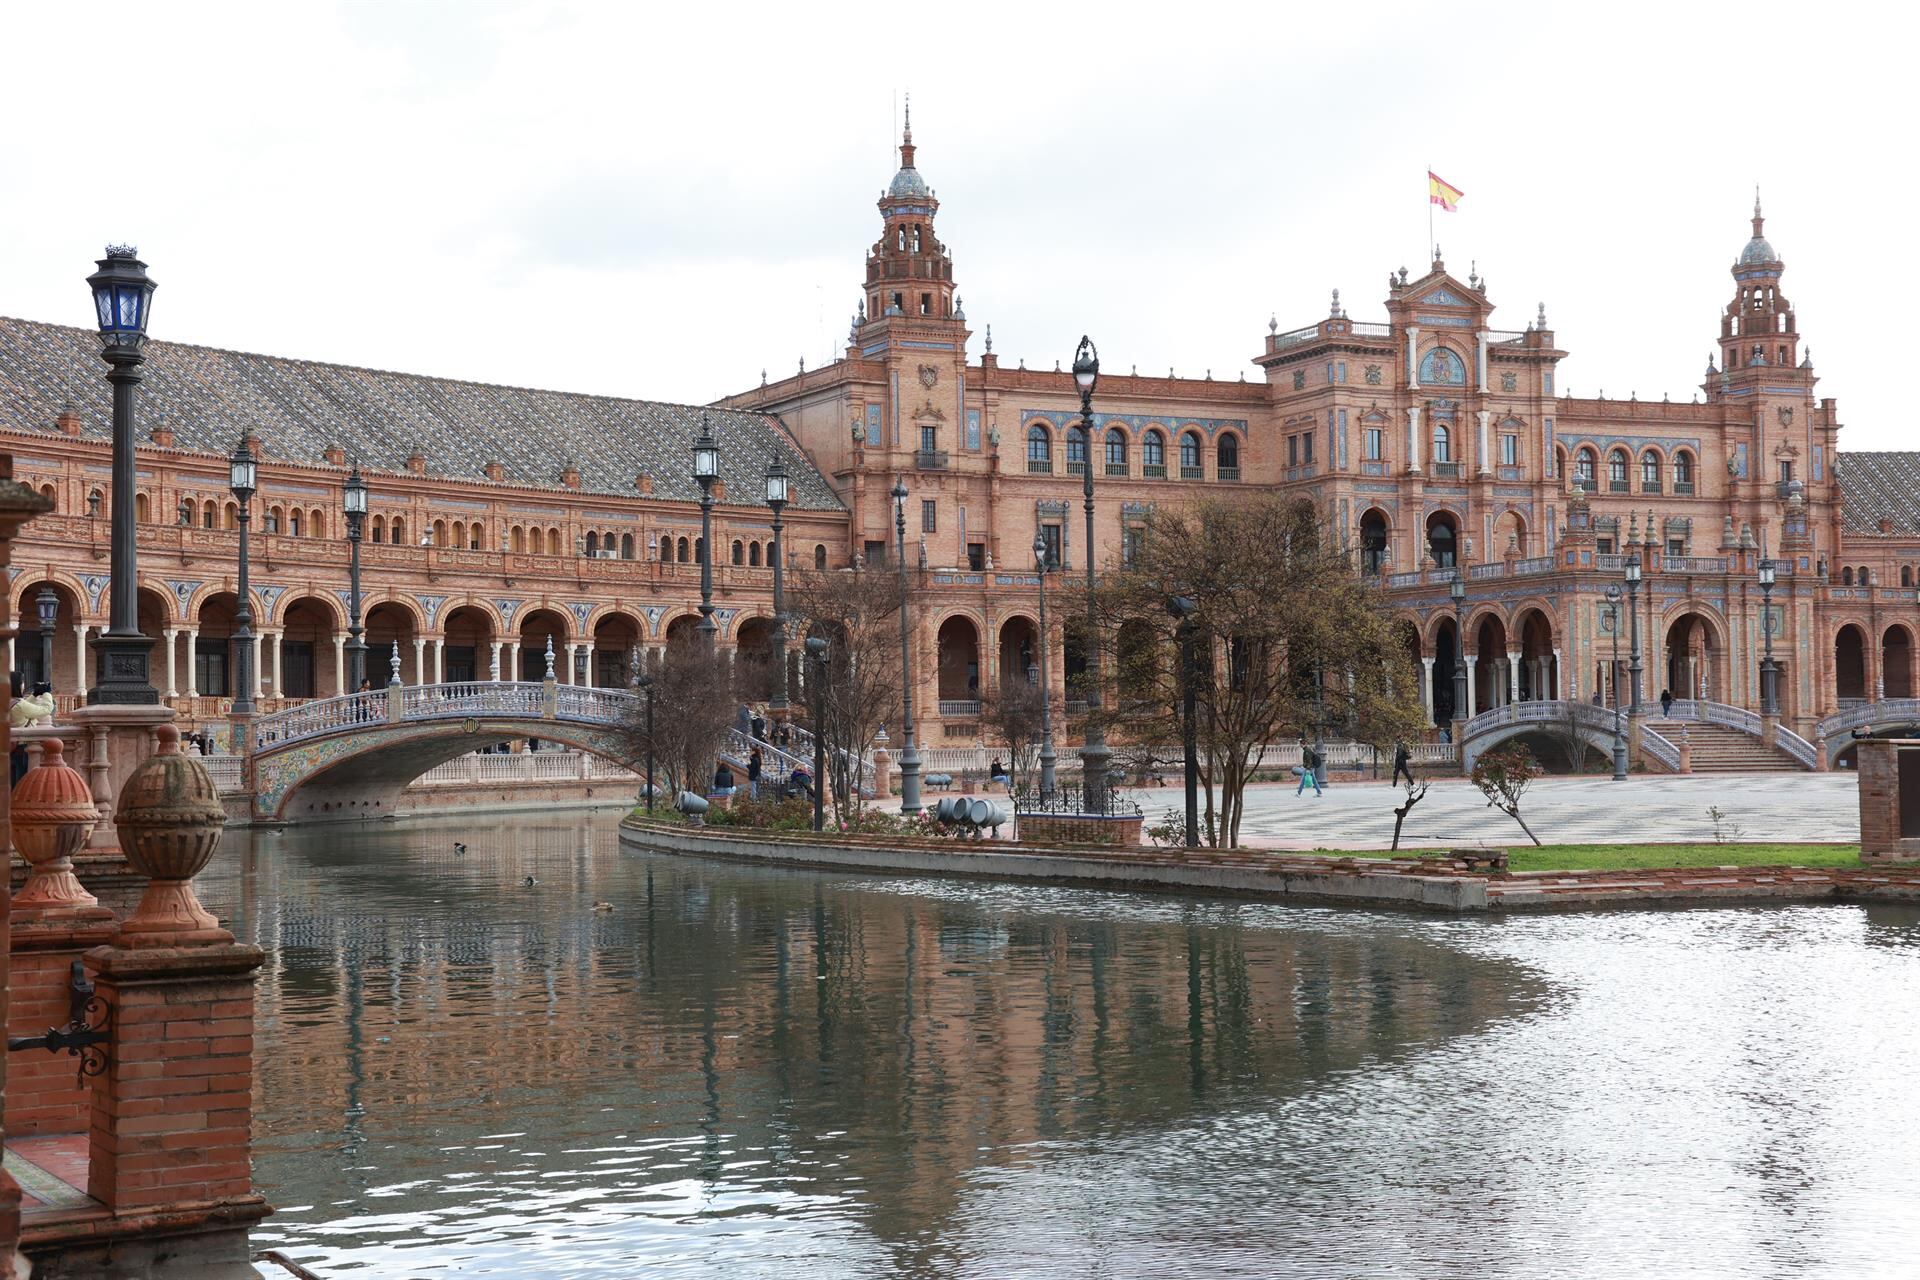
[[1626, 857]]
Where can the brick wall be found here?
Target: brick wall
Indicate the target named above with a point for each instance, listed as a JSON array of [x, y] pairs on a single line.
[[44, 1094], [1046, 828]]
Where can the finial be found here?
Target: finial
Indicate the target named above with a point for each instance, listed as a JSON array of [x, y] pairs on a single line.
[[1757, 218], [959, 310], [393, 665], [1436, 253], [549, 655], [1273, 323], [803, 364], [989, 339], [1806, 361], [1711, 370], [763, 376], [1540, 320], [906, 134]]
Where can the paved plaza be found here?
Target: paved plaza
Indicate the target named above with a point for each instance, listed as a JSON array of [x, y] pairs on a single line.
[[1764, 806]]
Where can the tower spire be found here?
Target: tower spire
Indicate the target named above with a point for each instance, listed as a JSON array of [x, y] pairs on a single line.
[[906, 137], [1758, 221]]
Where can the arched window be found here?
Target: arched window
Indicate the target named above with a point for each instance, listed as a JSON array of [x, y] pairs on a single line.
[[684, 556], [1650, 472], [1846, 577], [517, 539], [593, 543], [397, 532], [1442, 442], [1039, 449], [1906, 575], [456, 535], [1617, 470], [1076, 450], [316, 525], [142, 509], [753, 555], [209, 515], [626, 546], [276, 519], [819, 558], [1584, 464], [379, 528], [739, 552], [700, 551], [1683, 472], [1864, 577], [1153, 454], [1443, 368], [1116, 452], [1227, 456], [1190, 468]]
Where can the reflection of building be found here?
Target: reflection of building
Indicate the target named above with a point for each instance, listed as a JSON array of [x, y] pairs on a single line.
[[1434, 440]]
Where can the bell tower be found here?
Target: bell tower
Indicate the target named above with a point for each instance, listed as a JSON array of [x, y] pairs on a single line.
[[909, 272], [1758, 331]]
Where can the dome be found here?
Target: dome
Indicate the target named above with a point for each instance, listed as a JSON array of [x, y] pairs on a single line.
[[1758, 251], [908, 184]]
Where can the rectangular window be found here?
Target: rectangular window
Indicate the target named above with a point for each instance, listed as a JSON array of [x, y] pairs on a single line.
[[926, 304], [1676, 548], [1786, 470], [976, 556], [1050, 534], [1293, 451], [929, 439], [876, 554], [1373, 445], [1306, 448], [1603, 545], [1546, 383], [1340, 369], [1133, 540], [1510, 451], [973, 428], [929, 516]]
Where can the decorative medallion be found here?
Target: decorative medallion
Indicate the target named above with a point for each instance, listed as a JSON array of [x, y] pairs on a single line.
[[183, 593], [507, 609], [1373, 375], [1299, 379], [95, 583], [430, 606], [654, 613], [1786, 415], [470, 725], [581, 611], [929, 375], [1509, 382]]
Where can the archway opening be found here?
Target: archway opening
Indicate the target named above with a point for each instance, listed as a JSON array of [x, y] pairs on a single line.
[[1019, 654], [537, 628], [1443, 540], [753, 666], [1373, 542], [1896, 662], [468, 654], [958, 646], [307, 651], [1692, 660], [614, 638], [389, 624]]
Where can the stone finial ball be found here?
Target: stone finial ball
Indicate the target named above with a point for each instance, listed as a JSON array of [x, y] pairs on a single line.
[[170, 817], [53, 809]]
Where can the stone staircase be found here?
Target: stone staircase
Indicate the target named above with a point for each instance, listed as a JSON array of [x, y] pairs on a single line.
[[1718, 748]]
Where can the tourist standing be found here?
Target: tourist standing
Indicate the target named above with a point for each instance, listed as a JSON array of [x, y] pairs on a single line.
[[753, 772]]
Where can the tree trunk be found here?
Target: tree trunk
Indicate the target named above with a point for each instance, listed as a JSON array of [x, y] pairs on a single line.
[[1514, 813]]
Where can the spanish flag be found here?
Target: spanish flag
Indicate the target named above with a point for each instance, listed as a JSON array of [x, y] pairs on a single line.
[[1442, 192]]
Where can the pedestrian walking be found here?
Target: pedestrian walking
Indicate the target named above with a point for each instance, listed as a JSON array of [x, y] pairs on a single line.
[[758, 725], [1402, 763], [753, 773], [1309, 763], [1666, 704]]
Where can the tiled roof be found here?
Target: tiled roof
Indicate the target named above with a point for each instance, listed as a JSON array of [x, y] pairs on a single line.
[[300, 408], [1880, 486]]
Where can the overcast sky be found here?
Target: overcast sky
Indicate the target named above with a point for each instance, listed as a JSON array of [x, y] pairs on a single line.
[[660, 202]]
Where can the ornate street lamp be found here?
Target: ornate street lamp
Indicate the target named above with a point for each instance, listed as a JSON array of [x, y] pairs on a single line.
[[1633, 630], [48, 604], [1619, 737], [354, 502], [1769, 674], [1048, 759], [644, 683], [909, 754], [777, 499], [817, 655], [1183, 609], [243, 476], [1095, 755], [1457, 589], [122, 297], [706, 470]]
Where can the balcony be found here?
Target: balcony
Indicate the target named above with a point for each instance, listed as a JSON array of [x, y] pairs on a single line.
[[1586, 483], [961, 707], [930, 460], [1076, 466], [1229, 473], [1446, 470], [1683, 487], [1154, 470], [1039, 466], [1192, 473], [1117, 469], [1650, 486], [1619, 486]]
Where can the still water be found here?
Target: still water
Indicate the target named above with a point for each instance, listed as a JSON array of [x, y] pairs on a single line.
[[745, 1072]]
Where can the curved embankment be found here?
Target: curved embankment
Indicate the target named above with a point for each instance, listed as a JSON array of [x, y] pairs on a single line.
[[1426, 883]]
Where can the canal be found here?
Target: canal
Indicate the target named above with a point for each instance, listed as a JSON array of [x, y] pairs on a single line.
[[741, 1071]]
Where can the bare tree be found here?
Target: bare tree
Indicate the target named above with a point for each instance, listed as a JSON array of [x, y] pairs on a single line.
[[857, 612], [1012, 714], [1503, 776], [1290, 638], [1416, 792], [692, 709]]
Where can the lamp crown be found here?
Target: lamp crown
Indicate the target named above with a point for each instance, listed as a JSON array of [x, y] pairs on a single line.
[[123, 251]]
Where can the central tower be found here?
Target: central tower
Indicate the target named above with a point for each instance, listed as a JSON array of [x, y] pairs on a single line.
[[908, 270]]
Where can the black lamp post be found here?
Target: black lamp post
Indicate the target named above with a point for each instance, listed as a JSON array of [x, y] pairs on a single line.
[[355, 505], [1095, 755], [1769, 674], [644, 683], [1184, 609], [817, 654], [1633, 625], [1619, 738], [1049, 760], [706, 469], [122, 296], [777, 499], [1457, 589], [243, 478], [48, 604], [909, 754]]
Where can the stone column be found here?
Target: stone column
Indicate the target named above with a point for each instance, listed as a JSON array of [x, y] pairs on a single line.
[[1486, 456], [1552, 680], [85, 671], [1480, 365], [1413, 357], [340, 665], [1413, 439], [170, 635], [1513, 675], [1426, 688], [193, 665], [420, 661], [279, 639], [567, 676], [587, 666], [493, 664], [512, 667], [258, 674], [439, 660], [1473, 699]]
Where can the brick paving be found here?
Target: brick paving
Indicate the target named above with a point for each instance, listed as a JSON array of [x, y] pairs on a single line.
[[51, 1171], [1765, 807]]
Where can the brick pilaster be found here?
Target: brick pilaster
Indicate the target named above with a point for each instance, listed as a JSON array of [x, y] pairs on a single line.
[[44, 1093]]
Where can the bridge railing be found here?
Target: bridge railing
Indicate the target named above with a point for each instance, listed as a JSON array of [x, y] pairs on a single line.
[[597, 706], [1796, 746], [1860, 717], [473, 698], [327, 715], [1541, 712], [1717, 713], [1659, 749]]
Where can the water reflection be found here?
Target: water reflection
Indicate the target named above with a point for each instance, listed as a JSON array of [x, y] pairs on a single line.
[[751, 1072]]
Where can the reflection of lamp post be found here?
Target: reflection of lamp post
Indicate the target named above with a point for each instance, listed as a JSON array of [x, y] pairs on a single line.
[[777, 499], [1048, 759], [1619, 738], [909, 754], [706, 469], [1095, 755], [122, 293], [1633, 625], [243, 478], [355, 504], [644, 683], [1769, 674], [817, 654], [48, 603], [1184, 609], [1457, 589]]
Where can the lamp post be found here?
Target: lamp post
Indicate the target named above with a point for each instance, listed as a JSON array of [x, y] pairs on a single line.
[[355, 504], [1184, 609], [48, 604], [1633, 625], [1457, 589], [909, 754], [1619, 738], [243, 478], [1049, 761], [1095, 755], [777, 499], [644, 683], [817, 654], [122, 294], [1769, 674], [706, 469]]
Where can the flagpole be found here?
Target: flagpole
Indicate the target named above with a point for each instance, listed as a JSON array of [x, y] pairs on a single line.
[[1429, 212]]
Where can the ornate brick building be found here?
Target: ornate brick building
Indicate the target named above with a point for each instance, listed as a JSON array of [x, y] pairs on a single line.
[[1433, 440]]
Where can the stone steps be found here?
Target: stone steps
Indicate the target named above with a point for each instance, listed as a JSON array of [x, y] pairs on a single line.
[[1719, 748]]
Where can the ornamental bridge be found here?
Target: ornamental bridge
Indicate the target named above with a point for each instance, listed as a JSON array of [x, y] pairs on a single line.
[[350, 757]]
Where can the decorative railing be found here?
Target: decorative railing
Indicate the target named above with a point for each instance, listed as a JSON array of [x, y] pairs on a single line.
[[228, 773], [1495, 569], [1533, 564], [1716, 713], [523, 767], [1659, 750], [1446, 470], [1796, 746], [1545, 711], [1861, 715], [1403, 579], [1040, 466], [930, 460], [326, 715], [962, 707], [1695, 564]]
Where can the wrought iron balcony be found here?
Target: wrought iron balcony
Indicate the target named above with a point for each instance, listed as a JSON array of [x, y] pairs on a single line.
[[1039, 466], [930, 460], [1117, 469], [1192, 473], [1154, 470], [1446, 470], [1229, 473]]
